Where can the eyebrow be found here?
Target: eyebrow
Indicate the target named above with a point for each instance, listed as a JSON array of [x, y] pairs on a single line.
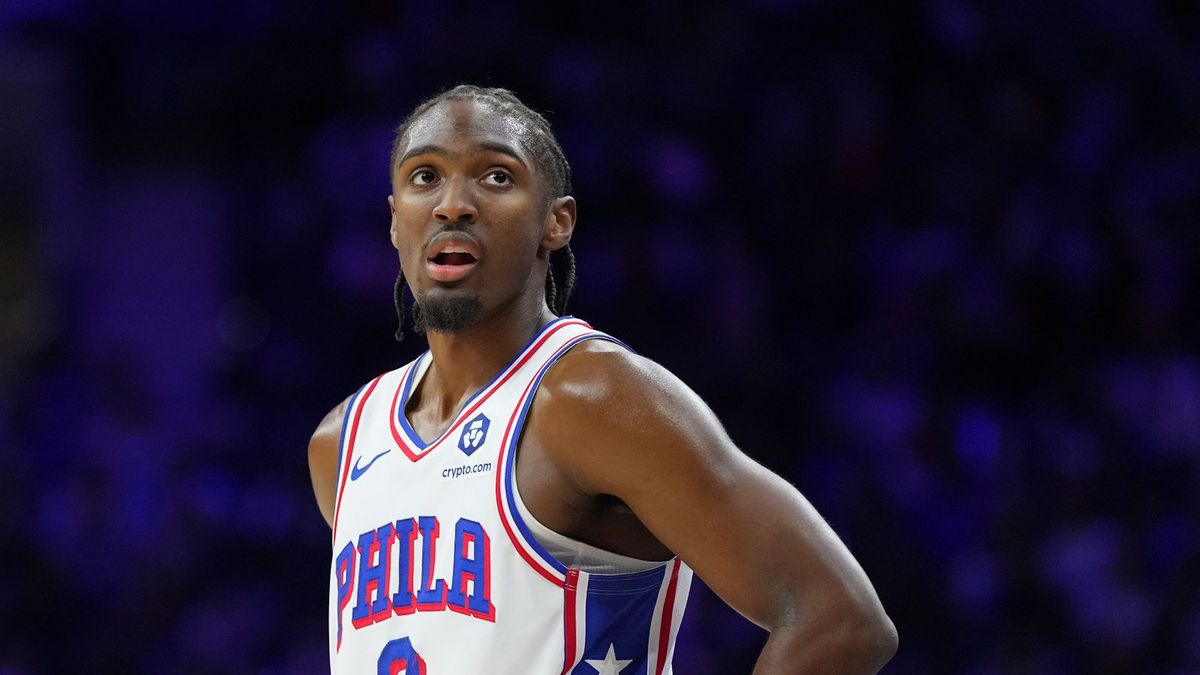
[[433, 149]]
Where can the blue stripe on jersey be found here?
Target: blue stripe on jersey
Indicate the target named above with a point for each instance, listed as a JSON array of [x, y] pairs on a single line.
[[337, 479], [400, 407], [511, 450], [619, 611]]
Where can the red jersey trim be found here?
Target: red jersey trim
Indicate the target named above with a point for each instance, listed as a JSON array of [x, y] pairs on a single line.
[[415, 454], [337, 510], [664, 634]]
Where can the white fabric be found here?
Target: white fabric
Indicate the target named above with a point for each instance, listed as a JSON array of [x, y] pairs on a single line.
[[577, 554], [513, 620]]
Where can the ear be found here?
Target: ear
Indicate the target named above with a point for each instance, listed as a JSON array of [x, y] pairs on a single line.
[[395, 227], [560, 224]]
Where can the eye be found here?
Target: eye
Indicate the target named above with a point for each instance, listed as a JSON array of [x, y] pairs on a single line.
[[423, 177], [498, 178]]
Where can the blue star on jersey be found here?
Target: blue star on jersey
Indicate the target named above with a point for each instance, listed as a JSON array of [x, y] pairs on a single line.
[[474, 433], [611, 665]]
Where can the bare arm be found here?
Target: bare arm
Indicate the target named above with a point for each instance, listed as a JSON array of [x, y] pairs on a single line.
[[323, 459], [622, 425]]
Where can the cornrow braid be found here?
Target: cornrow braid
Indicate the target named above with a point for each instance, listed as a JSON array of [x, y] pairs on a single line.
[[560, 281], [540, 141], [551, 290], [398, 298]]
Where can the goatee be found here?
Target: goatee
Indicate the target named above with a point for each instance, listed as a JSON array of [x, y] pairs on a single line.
[[446, 314]]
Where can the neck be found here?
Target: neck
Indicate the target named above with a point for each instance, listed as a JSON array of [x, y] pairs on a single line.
[[464, 361]]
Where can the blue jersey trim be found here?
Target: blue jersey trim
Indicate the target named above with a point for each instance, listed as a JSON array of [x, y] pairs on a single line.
[[613, 580], [345, 433], [403, 404], [408, 383]]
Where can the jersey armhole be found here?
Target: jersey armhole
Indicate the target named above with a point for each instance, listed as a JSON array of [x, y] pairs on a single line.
[[523, 532]]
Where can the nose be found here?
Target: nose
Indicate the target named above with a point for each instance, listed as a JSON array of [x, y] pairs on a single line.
[[456, 203]]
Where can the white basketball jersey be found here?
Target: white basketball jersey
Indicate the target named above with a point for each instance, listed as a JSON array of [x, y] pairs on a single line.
[[434, 569]]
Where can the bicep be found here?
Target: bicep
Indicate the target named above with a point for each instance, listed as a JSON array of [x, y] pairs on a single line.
[[753, 538], [756, 541], [323, 460]]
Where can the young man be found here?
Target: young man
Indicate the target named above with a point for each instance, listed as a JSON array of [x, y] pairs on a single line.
[[529, 496]]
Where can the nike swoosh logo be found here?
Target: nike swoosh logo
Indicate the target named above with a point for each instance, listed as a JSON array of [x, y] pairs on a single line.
[[356, 470]]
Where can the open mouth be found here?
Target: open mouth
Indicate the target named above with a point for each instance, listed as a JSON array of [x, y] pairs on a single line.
[[450, 260], [453, 256]]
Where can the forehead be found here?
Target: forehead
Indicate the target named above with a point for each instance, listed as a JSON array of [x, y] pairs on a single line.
[[461, 124]]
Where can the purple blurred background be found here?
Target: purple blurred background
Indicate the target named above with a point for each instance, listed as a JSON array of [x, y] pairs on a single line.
[[937, 264]]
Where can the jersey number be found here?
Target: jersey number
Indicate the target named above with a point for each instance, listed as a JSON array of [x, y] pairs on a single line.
[[399, 658]]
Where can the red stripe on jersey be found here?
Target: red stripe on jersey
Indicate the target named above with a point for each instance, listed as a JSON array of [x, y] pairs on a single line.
[[462, 416], [664, 636], [571, 590], [500, 471], [412, 454], [350, 451]]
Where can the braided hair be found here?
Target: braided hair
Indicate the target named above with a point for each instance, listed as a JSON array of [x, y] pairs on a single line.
[[560, 279]]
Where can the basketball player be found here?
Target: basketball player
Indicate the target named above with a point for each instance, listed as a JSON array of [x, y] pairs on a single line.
[[530, 496]]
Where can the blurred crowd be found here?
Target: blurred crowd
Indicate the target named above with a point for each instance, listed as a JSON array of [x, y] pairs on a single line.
[[936, 263]]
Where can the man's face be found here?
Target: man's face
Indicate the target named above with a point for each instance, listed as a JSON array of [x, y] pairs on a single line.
[[470, 218]]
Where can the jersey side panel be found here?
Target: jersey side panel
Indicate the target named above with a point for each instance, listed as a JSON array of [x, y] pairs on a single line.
[[621, 612]]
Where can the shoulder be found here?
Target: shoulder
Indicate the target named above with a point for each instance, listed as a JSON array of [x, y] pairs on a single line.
[[329, 430], [324, 447], [599, 376], [601, 407], [600, 367], [328, 433], [323, 458]]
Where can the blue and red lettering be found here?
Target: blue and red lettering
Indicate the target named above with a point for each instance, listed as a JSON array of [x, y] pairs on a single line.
[[471, 566], [399, 658], [432, 596], [380, 594], [344, 568], [374, 575], [406, 535]]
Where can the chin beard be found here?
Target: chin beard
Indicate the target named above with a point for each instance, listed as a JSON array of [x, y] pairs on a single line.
[[446, 314]]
